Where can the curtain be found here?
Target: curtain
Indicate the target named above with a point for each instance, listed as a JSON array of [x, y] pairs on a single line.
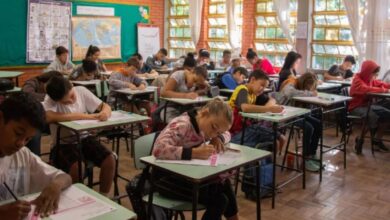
[[234, 35], [371, 30], [195, 16], [353, 13], [282, 9]]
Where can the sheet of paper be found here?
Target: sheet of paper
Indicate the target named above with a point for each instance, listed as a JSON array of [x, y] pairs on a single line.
[[226, 158], [76, 204], [115, 116]]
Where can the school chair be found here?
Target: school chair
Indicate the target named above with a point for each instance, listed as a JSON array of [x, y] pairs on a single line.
[[174, 208], [351, 120]]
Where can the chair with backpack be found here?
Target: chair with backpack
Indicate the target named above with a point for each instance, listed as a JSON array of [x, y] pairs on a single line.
[[138, 188]]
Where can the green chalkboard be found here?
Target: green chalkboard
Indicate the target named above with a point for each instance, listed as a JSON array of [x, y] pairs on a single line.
[[13, 26]]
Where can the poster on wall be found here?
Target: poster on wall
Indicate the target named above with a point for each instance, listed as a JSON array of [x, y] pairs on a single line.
[[48, 26], [148, 39], [103, 32]]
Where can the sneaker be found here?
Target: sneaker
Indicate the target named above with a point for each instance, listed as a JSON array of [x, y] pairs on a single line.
[[310, 165], [380, 146]]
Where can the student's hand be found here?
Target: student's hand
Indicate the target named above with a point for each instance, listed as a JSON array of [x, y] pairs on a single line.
[[15, 210], [47, 201], [219, 146], [315, 93], [132, 86], [102, 116], [276, 109], [203, 152], [191, 95], [153, 73], [142, 87]]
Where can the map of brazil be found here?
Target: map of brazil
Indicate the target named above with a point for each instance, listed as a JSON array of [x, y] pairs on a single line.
[[103, 32]]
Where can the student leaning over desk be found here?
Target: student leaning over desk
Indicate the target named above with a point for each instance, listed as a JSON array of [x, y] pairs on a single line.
[[25, 173], [184, 138]]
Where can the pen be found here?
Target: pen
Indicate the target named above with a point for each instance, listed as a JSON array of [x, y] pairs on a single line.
[[10, 191]]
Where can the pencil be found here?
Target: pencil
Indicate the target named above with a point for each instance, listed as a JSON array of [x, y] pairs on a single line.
[[10, 191]]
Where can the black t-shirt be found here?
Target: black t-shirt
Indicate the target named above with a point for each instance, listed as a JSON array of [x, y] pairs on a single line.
[[335, 70], [262, 99]]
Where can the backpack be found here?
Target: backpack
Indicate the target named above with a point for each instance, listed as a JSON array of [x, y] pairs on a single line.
[[218, 80]]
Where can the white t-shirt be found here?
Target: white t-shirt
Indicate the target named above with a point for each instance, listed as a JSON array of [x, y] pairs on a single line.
[[86, 102], [24, 173]]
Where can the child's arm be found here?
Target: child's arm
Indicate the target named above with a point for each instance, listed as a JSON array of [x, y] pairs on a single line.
[[362, 89], [104, 112], [379, 83], [52, 117], [116, 83], [328, 76], [169, 91], [168, 147], [249, 108], [15, 210]]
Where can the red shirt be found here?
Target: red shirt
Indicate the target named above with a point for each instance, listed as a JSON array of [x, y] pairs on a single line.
[[265, 66]]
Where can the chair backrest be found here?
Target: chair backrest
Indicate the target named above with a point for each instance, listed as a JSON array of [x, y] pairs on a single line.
[[345, 91], [142, 148]]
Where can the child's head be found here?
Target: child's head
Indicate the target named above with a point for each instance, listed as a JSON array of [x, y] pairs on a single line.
[[292, 61], [189, 62], [62, 54], [239, 74], [258, 81], [236, 61], [307, 81], [252, 56], [89, 67], [369, 71], [161, 54], [61, 90], [198, 76], [21, 115], [139, 57], [226, 56], [203, 55], [45, 77], [132, 66], [214, 118], [348, 62], [93, 53]]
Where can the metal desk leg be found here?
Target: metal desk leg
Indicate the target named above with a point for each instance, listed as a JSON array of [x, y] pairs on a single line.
[[243, 131], [195, 194], [345, 135], [321, 142], [17, 81], [304, 152], [364, 129], [258, 199], [150, 200], [165, 111], [275, 129]]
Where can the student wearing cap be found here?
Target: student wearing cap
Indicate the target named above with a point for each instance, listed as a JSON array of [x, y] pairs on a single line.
[[341, 72], [235, 63], [204, 60]]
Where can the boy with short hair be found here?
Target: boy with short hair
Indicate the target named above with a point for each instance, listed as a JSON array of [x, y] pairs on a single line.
[[244, 99], [67, 103], [157, 61], [61, 63], [224, 63], [341, 72], [127, 78], [25, 173], [144, 70]]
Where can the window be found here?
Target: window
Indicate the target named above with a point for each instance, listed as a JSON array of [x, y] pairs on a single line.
[[179, 40], [218, 37], [331, 34], [270, 40]]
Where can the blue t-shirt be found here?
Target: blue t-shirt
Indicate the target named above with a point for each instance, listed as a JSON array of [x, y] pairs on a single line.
[[229, 81]]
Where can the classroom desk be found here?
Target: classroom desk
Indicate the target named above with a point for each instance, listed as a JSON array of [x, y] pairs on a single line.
[[164, 70], [344, 83], [214, 73], [14, 90], [291, 116], [371, 97], [100, 86], [11, 75], [120, 212], [78, 129], [229, 92], [200, 175], [107, 73], [133, 93], [328, 87], [327, 103]]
